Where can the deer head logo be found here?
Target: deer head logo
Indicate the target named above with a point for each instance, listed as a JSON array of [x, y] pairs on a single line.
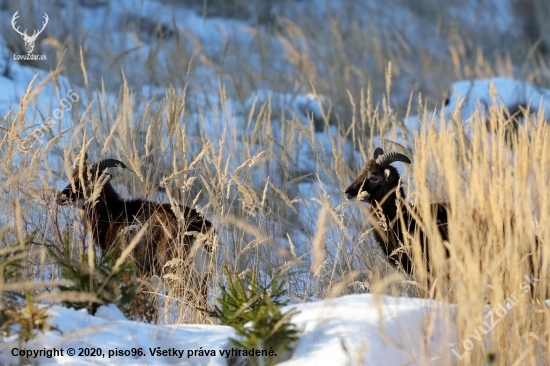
[[29, 40]]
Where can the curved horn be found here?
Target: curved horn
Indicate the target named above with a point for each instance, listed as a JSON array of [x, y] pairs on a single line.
[[100, 166], [387, 159], [377, 152]]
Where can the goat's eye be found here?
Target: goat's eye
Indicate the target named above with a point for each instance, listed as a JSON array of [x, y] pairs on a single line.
[[373, 179]]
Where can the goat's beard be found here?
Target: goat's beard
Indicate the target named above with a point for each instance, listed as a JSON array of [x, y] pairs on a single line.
[[363, 196]]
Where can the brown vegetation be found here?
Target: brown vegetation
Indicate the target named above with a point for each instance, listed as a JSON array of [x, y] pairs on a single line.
[[158, 233]]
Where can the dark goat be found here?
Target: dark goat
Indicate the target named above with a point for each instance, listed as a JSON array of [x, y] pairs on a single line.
[[113, 220], [377, 185]]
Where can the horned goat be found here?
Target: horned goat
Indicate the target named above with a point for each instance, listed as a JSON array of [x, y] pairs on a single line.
[[378, 185], [112, 220]]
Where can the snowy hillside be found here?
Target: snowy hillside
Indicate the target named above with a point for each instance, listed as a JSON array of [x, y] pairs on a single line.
[[468, 97]]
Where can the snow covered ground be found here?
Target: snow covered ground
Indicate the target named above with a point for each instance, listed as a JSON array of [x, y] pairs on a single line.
[[357, 329], [469, 97]]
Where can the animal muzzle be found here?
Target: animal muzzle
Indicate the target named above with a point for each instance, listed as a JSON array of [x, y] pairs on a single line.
[[62, 199], [352, 194], [349, 196]]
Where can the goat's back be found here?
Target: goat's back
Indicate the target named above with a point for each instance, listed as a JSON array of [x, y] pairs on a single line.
[[166, 236]]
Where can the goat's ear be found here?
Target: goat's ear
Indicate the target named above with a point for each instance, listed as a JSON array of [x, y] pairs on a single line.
[[107, 176], [387, 174]]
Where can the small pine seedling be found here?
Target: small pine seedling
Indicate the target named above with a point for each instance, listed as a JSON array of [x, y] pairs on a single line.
[[256, 314], [26, 319], [99, 278]]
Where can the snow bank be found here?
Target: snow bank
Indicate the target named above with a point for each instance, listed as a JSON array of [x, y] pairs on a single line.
[[132, 342], [471, 96], [371, 330], [357, 329]]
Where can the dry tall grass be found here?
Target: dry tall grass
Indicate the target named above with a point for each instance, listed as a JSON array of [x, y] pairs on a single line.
[[244, 185]]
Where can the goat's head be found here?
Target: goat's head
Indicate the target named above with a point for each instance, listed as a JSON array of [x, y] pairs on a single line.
[[84, 181], [377, 178]]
